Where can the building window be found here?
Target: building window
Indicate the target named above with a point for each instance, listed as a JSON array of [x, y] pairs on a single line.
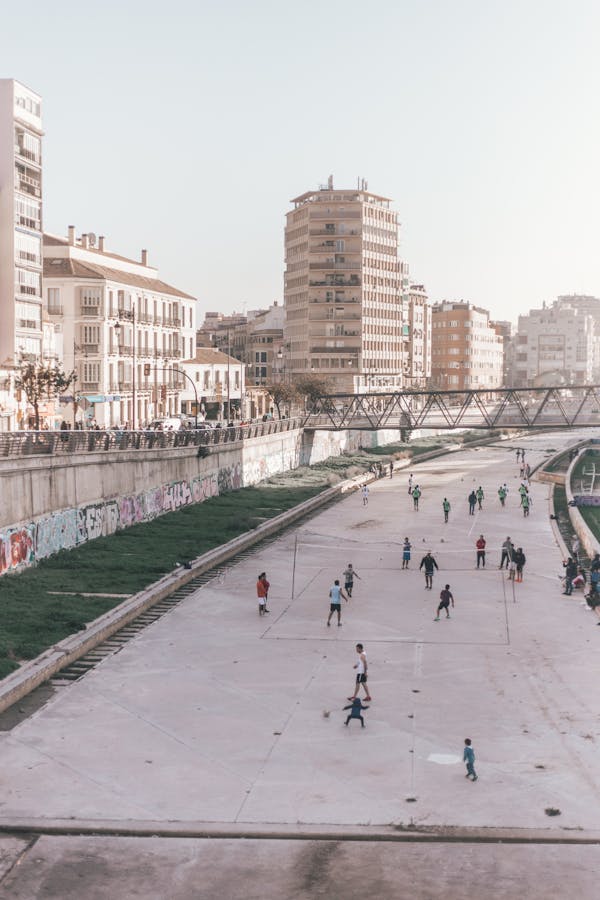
[[54, 300]]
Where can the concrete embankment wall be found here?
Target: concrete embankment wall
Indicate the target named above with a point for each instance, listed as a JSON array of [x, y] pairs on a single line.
[[55, 503]]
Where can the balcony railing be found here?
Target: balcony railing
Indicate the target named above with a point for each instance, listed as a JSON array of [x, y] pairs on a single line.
[[336, 283], [89, 385], [91, 311], [55, 310], [335, 214]]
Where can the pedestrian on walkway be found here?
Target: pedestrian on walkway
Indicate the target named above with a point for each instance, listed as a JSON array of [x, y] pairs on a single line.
[[406, 553], [469, 759], [410, 483], [479, 494], [361, 673], [391, 469], [501, 495], [522, 456], [356, 708], [570, 568], [335, 602], [445, 599], [518, 454], [575, 548], [480, 545], [349, 575], [415, 495], [429, 564], [365, 494], [507, 552], [446, 508], [472, 501], [520, 561], [525, 503], [262, 592]]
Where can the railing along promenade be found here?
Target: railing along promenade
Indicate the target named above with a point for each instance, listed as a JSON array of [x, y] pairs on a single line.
[[65, 443]]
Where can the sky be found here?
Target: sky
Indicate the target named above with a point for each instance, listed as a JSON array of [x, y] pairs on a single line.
[[186, 127]]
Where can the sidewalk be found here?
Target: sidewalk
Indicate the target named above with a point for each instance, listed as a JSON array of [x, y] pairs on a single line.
[[214, 714]]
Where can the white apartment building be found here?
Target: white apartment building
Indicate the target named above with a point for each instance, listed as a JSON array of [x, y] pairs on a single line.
[[20, 239], [343, 289], [124, 331], [417, 363], [556, 344], [216, 382]]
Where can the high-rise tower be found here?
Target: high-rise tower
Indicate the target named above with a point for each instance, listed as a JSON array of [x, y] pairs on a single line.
[[343, 289], [20, 223]]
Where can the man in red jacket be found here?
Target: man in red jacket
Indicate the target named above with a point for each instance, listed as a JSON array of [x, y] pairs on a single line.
[[480, 544], [262, 592]]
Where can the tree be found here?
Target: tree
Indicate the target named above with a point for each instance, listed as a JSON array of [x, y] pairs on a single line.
[[41, 382], [312, 387], [282, 392]]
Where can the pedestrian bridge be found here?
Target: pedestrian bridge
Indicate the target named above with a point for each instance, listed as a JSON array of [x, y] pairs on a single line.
[[556, 407]]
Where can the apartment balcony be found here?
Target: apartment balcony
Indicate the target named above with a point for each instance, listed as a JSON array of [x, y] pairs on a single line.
[[124, 350], [55, 310], [335, 214], [27, 154], [335, 284], [144, 318], [158, 320], [27, 185], [89, 386], [332, 301], [90, 348], [329, 265], [91, 312], [326, 232], [349, 348]]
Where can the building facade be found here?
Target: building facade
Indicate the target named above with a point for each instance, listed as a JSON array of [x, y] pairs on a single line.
[[216, 382], [466, 349], [417, 363], [558, 344], [20, 239], [255, 338], [343, 290], [124, 332]]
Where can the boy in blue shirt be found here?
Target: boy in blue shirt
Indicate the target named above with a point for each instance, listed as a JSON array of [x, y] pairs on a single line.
[[469, 759], [356, 707]]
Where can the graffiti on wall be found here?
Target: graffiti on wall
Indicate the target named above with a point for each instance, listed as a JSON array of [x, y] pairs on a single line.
[[22, 545], [25, 544]]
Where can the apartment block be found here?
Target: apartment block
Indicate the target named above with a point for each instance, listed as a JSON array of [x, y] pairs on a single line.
[[558, 344], [20, 238], [255, 338], [124, 331], [417, 361], [343, 289], [466, 349]]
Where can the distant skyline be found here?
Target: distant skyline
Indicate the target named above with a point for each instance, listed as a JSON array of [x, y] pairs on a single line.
[[186, 128]]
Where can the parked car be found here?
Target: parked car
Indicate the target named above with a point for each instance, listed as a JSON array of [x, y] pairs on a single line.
[[171, 424]]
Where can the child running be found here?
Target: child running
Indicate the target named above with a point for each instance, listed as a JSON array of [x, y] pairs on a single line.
[[356, 707]]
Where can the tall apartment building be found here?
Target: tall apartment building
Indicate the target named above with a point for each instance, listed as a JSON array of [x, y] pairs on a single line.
[[558, 343], [417, 363], [466, 350], [20, 236], [343, 289], [124, 330]]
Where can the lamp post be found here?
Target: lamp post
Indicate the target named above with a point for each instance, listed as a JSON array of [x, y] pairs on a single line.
[[130, 315]]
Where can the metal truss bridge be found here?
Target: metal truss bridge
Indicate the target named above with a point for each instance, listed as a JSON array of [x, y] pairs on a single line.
[[555, 407]]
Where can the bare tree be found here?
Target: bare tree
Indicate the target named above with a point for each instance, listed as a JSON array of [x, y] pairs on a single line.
[[41, 382]]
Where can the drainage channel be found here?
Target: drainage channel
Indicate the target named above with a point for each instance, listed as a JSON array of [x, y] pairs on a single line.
[[114, 644]]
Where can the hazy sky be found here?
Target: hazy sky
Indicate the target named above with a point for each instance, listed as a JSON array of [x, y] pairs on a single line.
[[186, 127]]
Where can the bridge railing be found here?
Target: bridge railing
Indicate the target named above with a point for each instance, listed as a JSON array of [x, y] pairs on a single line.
[[65, 443]]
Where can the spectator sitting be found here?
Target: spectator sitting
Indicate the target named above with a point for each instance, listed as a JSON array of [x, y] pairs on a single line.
[[580, 579]]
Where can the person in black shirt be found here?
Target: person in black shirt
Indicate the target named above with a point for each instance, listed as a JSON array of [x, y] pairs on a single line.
[[445, 599], [429, 564]]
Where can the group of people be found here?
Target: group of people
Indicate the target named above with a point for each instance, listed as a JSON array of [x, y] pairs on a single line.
[[575, 576]]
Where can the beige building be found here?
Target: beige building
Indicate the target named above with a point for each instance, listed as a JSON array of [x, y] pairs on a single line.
[[466, 350], [124, 331], [216, 382], [343, 289]]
